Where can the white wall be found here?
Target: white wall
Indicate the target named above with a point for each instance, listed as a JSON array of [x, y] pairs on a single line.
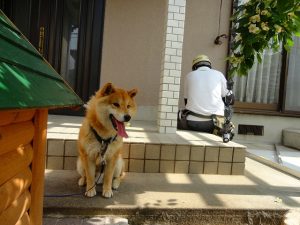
[[132, 47], [273, 126]]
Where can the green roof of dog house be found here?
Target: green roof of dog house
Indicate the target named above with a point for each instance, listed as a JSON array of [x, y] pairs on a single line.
[[26, 78]]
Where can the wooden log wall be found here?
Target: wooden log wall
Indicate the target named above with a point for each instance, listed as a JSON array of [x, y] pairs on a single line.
[[22, 152]]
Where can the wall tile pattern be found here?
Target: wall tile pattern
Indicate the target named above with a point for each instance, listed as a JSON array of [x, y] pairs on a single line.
[[158, 158], [171, 67]]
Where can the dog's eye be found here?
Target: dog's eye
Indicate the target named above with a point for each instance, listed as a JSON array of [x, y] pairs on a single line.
[[128, 106], [116, 104]]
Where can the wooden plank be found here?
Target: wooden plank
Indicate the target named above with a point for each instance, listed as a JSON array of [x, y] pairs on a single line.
[[254, 106], [16, 210], [24, 116], [24, 220], [38, 167], [14, 162], [14, 187], [13, 135], [7, 117]]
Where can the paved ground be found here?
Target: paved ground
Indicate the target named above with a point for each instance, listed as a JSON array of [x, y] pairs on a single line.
[[96, 220], [260, 188]]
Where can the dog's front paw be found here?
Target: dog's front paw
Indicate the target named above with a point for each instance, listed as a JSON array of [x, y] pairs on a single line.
[[107, 193], [91, 192]]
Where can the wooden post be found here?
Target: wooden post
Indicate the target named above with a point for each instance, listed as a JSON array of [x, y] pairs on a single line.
[[38, 167]]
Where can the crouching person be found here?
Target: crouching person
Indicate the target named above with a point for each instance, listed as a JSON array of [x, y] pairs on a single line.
[[204, 92]]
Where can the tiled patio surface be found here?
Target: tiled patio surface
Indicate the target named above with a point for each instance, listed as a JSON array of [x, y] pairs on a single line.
[[67, 127], [147, 151]]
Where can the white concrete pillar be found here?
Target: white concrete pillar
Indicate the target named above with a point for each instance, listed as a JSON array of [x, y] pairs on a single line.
[[171, 67]]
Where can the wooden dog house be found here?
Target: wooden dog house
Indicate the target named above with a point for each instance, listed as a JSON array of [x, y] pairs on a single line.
[[29, 86]]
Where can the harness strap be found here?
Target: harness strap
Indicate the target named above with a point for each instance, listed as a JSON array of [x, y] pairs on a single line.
[[104, 142]]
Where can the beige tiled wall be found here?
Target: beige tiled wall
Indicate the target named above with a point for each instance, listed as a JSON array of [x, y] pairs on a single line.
[[159, 158], [61, 154], [151, 166], [153, 151]]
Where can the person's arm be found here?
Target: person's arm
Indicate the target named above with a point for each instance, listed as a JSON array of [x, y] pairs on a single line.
[[230, 96], [227, 93], [224, 90]]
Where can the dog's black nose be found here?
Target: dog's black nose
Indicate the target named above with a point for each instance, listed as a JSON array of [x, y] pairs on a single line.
[[127, 118]]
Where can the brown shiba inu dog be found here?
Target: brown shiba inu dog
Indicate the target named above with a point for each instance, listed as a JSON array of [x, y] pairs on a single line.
[[101, 138]]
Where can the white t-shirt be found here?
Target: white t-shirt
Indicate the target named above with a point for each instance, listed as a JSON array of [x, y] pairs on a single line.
[[204, 89]]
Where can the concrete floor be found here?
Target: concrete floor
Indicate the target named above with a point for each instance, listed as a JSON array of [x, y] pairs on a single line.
[[267, 187], [79, 220], [261, 187]]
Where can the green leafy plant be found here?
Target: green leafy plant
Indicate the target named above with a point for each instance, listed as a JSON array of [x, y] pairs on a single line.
[[261, 24]]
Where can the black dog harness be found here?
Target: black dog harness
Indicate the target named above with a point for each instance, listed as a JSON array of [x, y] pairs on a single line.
[[104, 142], [104, 145]]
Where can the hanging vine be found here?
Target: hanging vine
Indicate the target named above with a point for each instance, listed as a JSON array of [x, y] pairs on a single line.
[[261, 24]]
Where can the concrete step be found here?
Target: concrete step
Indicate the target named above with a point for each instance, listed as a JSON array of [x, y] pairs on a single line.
[[277, 156], [147, 151], [84, 220], [179, 217], [262, 194], [207, 154], [291, 137]]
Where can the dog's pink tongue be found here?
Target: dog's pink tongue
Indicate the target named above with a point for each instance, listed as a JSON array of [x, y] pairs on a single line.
[[121, 129]]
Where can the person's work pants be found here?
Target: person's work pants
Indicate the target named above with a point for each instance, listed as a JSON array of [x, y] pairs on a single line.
[[201, 126]]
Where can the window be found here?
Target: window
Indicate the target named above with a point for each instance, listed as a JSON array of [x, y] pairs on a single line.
[[262, 83], [292, 99], [69, 43], [271, 86]]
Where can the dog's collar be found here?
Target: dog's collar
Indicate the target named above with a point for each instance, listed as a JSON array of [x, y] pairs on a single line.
[[104, 142]]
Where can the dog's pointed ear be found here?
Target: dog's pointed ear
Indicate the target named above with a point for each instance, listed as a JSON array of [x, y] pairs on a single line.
[[132, 93], [107, 89]]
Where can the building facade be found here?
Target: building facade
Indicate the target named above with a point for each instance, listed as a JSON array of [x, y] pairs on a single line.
[[150, 45]]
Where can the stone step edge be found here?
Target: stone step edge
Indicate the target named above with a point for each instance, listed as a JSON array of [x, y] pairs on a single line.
[[179, 215], [83, 220], [274, 165], [291, 138], [216, 143]]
